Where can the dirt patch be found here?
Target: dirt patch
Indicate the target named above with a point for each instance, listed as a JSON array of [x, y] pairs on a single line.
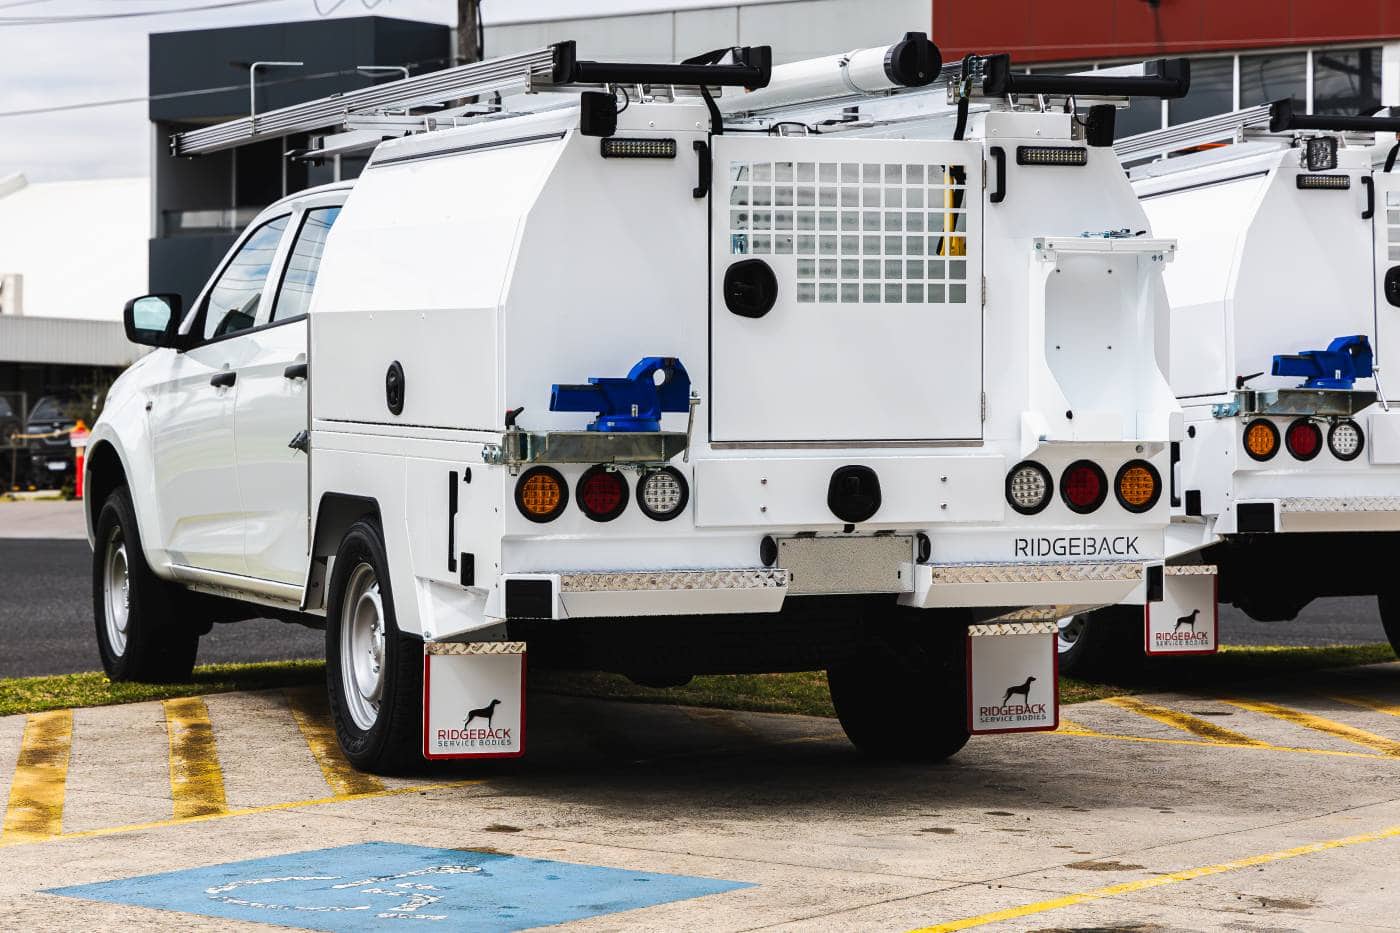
[[1103, 865], [1282, 903], [940, 830], [500, 828]]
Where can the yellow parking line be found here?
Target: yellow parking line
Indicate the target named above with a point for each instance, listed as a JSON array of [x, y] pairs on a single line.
[[196, 780], [1388, 747], [1380, 706], [1261, 747], [251, 811], [313, 719], [1183, 721], [1070, 727], [35, 810], [1157, 881]]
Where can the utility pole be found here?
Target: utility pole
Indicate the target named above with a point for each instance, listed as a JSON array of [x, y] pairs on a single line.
[[469, 33]]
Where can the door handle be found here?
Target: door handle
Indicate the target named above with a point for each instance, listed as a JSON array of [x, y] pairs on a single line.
[[295, 371], [223, 380]]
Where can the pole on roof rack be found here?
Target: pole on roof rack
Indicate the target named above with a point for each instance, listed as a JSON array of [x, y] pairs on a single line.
[[752, 67], [1283, 119], [1171, 80]]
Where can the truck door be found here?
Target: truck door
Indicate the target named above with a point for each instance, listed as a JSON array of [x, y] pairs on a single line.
[[271, 416], [1386, 231], [846, 290], [191, 412]]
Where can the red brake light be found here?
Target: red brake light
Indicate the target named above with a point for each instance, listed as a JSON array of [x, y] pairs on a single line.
[[602, 493], [1303, 439], [1083, 486]]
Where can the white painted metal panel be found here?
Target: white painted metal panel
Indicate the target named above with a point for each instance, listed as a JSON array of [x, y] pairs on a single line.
[[1386, 225], [792, 490], [877, 330]]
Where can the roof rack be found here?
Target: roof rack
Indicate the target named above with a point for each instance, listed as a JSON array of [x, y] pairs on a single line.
[[1226, 127], [555, 67]]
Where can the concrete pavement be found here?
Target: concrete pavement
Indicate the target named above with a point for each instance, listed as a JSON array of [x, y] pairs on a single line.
[[1274, 809]]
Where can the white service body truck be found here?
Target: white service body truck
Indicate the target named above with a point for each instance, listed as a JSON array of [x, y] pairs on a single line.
[[1285, 305], [656, 399]]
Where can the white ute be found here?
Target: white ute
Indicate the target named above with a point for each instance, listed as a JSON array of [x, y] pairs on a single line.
[[1285, 323], [587, 374]]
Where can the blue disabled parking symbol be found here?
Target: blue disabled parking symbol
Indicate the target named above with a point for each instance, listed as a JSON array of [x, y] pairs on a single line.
[[376, 885]]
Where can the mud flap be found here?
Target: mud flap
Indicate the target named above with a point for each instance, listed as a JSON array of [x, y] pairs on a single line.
[[1013, 680], [474, 700], [1187, 619]]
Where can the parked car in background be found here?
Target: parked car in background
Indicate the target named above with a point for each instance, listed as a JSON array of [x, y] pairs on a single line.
[[50, 455]]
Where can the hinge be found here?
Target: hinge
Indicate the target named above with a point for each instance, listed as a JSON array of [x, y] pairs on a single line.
[[984, 406], [984, 291]]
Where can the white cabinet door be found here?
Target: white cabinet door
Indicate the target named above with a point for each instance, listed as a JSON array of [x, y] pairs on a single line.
[[272, 412], [875, 249], [1386, 222]]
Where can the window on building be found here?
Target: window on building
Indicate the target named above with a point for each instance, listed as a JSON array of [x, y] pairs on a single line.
[[233, 301], [1142, 115], [1265, 78], [1346, 81], [299, 279], [1212, 90]]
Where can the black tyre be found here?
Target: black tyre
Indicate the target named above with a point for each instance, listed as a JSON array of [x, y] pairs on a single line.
[[908, 704], [1389, 605], [1102, 644], [374, 673], [140, 635]]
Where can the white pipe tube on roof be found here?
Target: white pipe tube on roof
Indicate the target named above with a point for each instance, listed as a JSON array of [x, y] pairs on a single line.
[[911, 62]]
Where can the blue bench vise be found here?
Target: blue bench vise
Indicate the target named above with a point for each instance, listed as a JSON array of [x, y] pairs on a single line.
[[630, 404], [1345, 360]]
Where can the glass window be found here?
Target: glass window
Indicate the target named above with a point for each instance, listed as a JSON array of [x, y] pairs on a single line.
[[1212, 90], [1265, 78], [1346, 81], [233, 301], [299, 278], [1142, 115]]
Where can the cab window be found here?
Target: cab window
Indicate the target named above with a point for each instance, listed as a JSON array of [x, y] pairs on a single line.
[[299, 279], [232, 305]]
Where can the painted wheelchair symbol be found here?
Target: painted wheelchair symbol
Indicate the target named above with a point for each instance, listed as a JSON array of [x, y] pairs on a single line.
[[412, 896]]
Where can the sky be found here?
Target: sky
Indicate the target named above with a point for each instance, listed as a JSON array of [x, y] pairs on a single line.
[[53, 65]]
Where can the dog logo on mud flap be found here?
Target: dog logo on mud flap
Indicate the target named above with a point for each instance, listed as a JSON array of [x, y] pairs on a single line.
[[1183, 634], [487, 712], [1015, 708], [475, 738]]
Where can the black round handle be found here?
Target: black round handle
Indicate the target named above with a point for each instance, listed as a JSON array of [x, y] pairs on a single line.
[[750, 288]]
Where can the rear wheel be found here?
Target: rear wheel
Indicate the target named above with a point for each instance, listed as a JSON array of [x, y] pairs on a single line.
[[139, 634], [1389, 605], [906, 704], [374, 672], [1103, 643]]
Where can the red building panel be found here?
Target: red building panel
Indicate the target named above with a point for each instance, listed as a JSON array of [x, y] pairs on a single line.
[[1074, 30]]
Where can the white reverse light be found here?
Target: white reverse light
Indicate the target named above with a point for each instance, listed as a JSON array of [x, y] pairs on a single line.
[[662, 494], [1345, 440], [1028, 487]]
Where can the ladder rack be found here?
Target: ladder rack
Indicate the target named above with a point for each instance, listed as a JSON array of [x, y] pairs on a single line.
[[551, 68], [1225, 127]]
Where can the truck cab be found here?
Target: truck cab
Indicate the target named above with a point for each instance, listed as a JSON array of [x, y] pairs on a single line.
[[619, 385]]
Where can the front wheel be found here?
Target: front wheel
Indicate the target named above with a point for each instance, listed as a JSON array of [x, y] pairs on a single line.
[[1389, 605], [911, 707], [1101, 644], [139, 635], [374, 673]]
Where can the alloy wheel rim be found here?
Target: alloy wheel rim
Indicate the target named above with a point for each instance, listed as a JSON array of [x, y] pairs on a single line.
[[1070, 630], [362, 646], [116, 592]]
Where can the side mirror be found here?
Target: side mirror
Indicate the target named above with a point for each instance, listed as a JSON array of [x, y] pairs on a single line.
[[152, 319]]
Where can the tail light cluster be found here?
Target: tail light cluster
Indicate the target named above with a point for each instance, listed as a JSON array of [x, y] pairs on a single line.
[[1084, 486], [1304, 439], [542, 493]]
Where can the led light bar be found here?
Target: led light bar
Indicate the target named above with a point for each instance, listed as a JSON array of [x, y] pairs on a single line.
[[1052, 155], [621, 148], [1335, 182]]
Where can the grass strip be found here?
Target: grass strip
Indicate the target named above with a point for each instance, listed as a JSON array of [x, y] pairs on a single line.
[[803, 693], [62, 691]]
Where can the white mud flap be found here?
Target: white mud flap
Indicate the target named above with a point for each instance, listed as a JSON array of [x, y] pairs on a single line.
[[1013, 680], [1187, 620], [474, 700]]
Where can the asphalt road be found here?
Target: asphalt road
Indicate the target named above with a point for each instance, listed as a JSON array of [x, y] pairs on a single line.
[[46, 619]]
